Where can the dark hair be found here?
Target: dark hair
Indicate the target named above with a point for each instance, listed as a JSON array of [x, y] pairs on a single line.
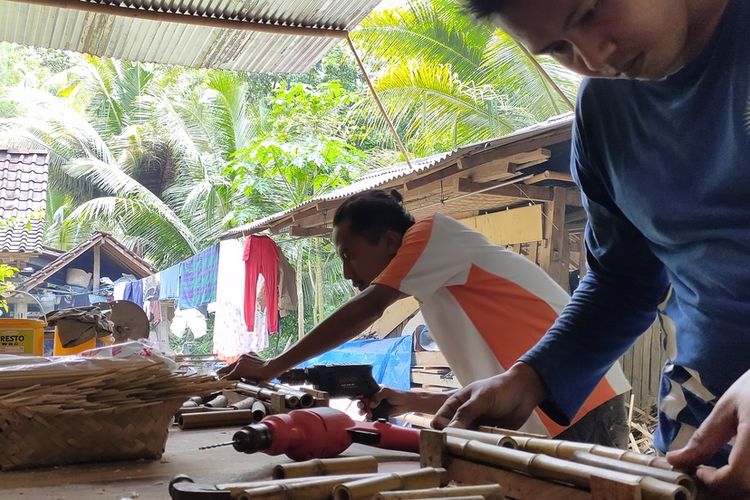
[[372, 213], [484, 9]]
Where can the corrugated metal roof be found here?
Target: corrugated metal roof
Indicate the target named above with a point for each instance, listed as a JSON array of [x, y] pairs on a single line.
[[23, 198], [422, 166], [42, 24]]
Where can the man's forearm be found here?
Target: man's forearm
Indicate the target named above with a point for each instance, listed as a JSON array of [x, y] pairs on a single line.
[[430, 402]]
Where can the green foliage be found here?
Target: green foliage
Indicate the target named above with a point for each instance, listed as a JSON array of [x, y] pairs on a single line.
[[6, 272], [447, 80]]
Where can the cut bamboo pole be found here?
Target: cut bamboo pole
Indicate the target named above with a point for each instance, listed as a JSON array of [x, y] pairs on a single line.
[[468, 497], [243, 404], [291, 401], [219, 401], [305, 400], [326, 467], [427, 477], [550, 468], [304, 488], [669, 476], [215, 419], [484, 437], [488, 491], [248, 485], [418, 419], [565, 449], [259, 411]]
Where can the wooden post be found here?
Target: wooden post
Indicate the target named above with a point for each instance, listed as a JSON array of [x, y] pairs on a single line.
[[97, 267], [552, 252]]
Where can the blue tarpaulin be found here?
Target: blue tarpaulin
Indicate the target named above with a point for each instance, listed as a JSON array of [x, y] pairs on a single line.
[[390, 359]]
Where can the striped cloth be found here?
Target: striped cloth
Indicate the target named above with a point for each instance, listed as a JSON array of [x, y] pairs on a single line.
[[198, 276]]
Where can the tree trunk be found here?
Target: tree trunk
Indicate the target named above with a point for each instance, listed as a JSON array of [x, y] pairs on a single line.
[[319, 298], [300, 296]]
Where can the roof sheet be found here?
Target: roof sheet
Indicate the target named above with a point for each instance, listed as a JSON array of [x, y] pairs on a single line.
[[422, 166], [45, 24], [23, 198]]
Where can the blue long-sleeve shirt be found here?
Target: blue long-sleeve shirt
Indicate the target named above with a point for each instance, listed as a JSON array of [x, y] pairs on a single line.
[[664, 169]]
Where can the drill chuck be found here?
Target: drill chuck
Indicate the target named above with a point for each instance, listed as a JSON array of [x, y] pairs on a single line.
[[252, 438], [295, 376]]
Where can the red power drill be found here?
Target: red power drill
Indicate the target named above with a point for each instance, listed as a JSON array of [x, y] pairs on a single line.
[[319, 433]]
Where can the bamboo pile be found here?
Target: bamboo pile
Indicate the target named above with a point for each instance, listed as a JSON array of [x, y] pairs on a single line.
[[346, 479], [243, 404], [524, 463], [79, 410]]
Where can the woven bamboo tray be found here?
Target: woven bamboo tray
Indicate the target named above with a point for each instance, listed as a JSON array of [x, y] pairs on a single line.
[[115, 411], [98, 436]]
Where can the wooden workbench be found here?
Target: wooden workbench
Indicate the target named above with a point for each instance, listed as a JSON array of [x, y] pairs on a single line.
[[150, 479]]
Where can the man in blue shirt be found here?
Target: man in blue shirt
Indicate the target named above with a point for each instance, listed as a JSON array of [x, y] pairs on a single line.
[[661, 149]]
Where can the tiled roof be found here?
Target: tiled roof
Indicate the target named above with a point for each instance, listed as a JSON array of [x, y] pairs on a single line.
[[23, 196]]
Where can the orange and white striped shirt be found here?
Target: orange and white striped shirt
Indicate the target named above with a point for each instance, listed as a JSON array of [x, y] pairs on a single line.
[[485, 306]]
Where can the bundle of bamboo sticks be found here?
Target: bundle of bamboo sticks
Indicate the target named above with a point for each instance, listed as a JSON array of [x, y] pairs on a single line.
[[95, 384]]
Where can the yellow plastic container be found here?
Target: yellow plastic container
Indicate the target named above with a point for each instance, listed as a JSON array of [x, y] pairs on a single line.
[[59, 350], [21, 336]]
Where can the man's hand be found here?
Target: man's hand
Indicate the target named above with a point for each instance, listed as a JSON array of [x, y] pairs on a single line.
[[402, 402], [506, 400], [250, 366], [730, 417]]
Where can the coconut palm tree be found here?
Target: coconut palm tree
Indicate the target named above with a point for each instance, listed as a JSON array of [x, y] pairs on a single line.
[[448, 80], [140, 149]]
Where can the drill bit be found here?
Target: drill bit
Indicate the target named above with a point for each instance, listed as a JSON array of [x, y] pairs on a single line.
[[218, 445]]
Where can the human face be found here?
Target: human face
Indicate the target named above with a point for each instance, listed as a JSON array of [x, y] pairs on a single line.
[[362, 260], [641, 39]]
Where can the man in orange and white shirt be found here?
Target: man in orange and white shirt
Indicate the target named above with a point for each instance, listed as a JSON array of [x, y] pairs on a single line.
[[484, 305]]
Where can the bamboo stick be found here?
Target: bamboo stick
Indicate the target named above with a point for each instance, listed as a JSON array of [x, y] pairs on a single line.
[[249, 485], [259, 411], [219, 401], [290, 400], [243, 404], [201, 409], [468, 497], [669, 476], [565, 449], [215, 419], [484, 437], [555, 469], [418, 419], [488, 491], [305, 400], [326, 467], [312, 489], [427, 477]]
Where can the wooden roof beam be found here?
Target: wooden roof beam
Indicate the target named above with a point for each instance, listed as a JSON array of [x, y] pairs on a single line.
[[520, 191], [550, 175], [515, 167], [305, 232], [496, 168]]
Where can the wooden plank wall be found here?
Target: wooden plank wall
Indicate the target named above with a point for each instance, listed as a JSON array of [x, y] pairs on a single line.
[[642, 365]]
